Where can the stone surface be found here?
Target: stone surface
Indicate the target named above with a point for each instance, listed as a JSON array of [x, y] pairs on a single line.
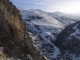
[[12, 34]]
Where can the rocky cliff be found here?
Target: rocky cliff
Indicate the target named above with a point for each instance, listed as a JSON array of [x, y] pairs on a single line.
[[13, 41]]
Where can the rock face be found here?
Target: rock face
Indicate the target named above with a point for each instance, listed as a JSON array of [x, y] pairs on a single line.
[[12, 35]]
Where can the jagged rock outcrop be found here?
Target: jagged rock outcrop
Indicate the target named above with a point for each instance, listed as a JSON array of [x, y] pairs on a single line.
[[12, 35]]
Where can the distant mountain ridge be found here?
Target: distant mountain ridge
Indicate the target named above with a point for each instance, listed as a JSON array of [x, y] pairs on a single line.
[[44, 28]]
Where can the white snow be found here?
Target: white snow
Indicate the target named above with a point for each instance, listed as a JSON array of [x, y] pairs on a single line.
[[75, 27], [29, 56], [76, 33], [12, 58], [56, 52]]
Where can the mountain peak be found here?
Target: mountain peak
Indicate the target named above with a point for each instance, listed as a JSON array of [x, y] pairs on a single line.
[[58, 12]]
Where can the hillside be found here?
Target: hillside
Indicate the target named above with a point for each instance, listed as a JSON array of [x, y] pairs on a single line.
[[15, 43], [44, 28], [68, 41]]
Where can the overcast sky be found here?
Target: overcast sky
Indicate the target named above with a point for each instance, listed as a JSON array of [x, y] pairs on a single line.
[[66, 6]]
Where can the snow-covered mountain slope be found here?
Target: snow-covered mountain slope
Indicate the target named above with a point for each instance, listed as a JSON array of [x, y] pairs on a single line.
[[68, 41], [40, 23], [66, 19], [44, 29]]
